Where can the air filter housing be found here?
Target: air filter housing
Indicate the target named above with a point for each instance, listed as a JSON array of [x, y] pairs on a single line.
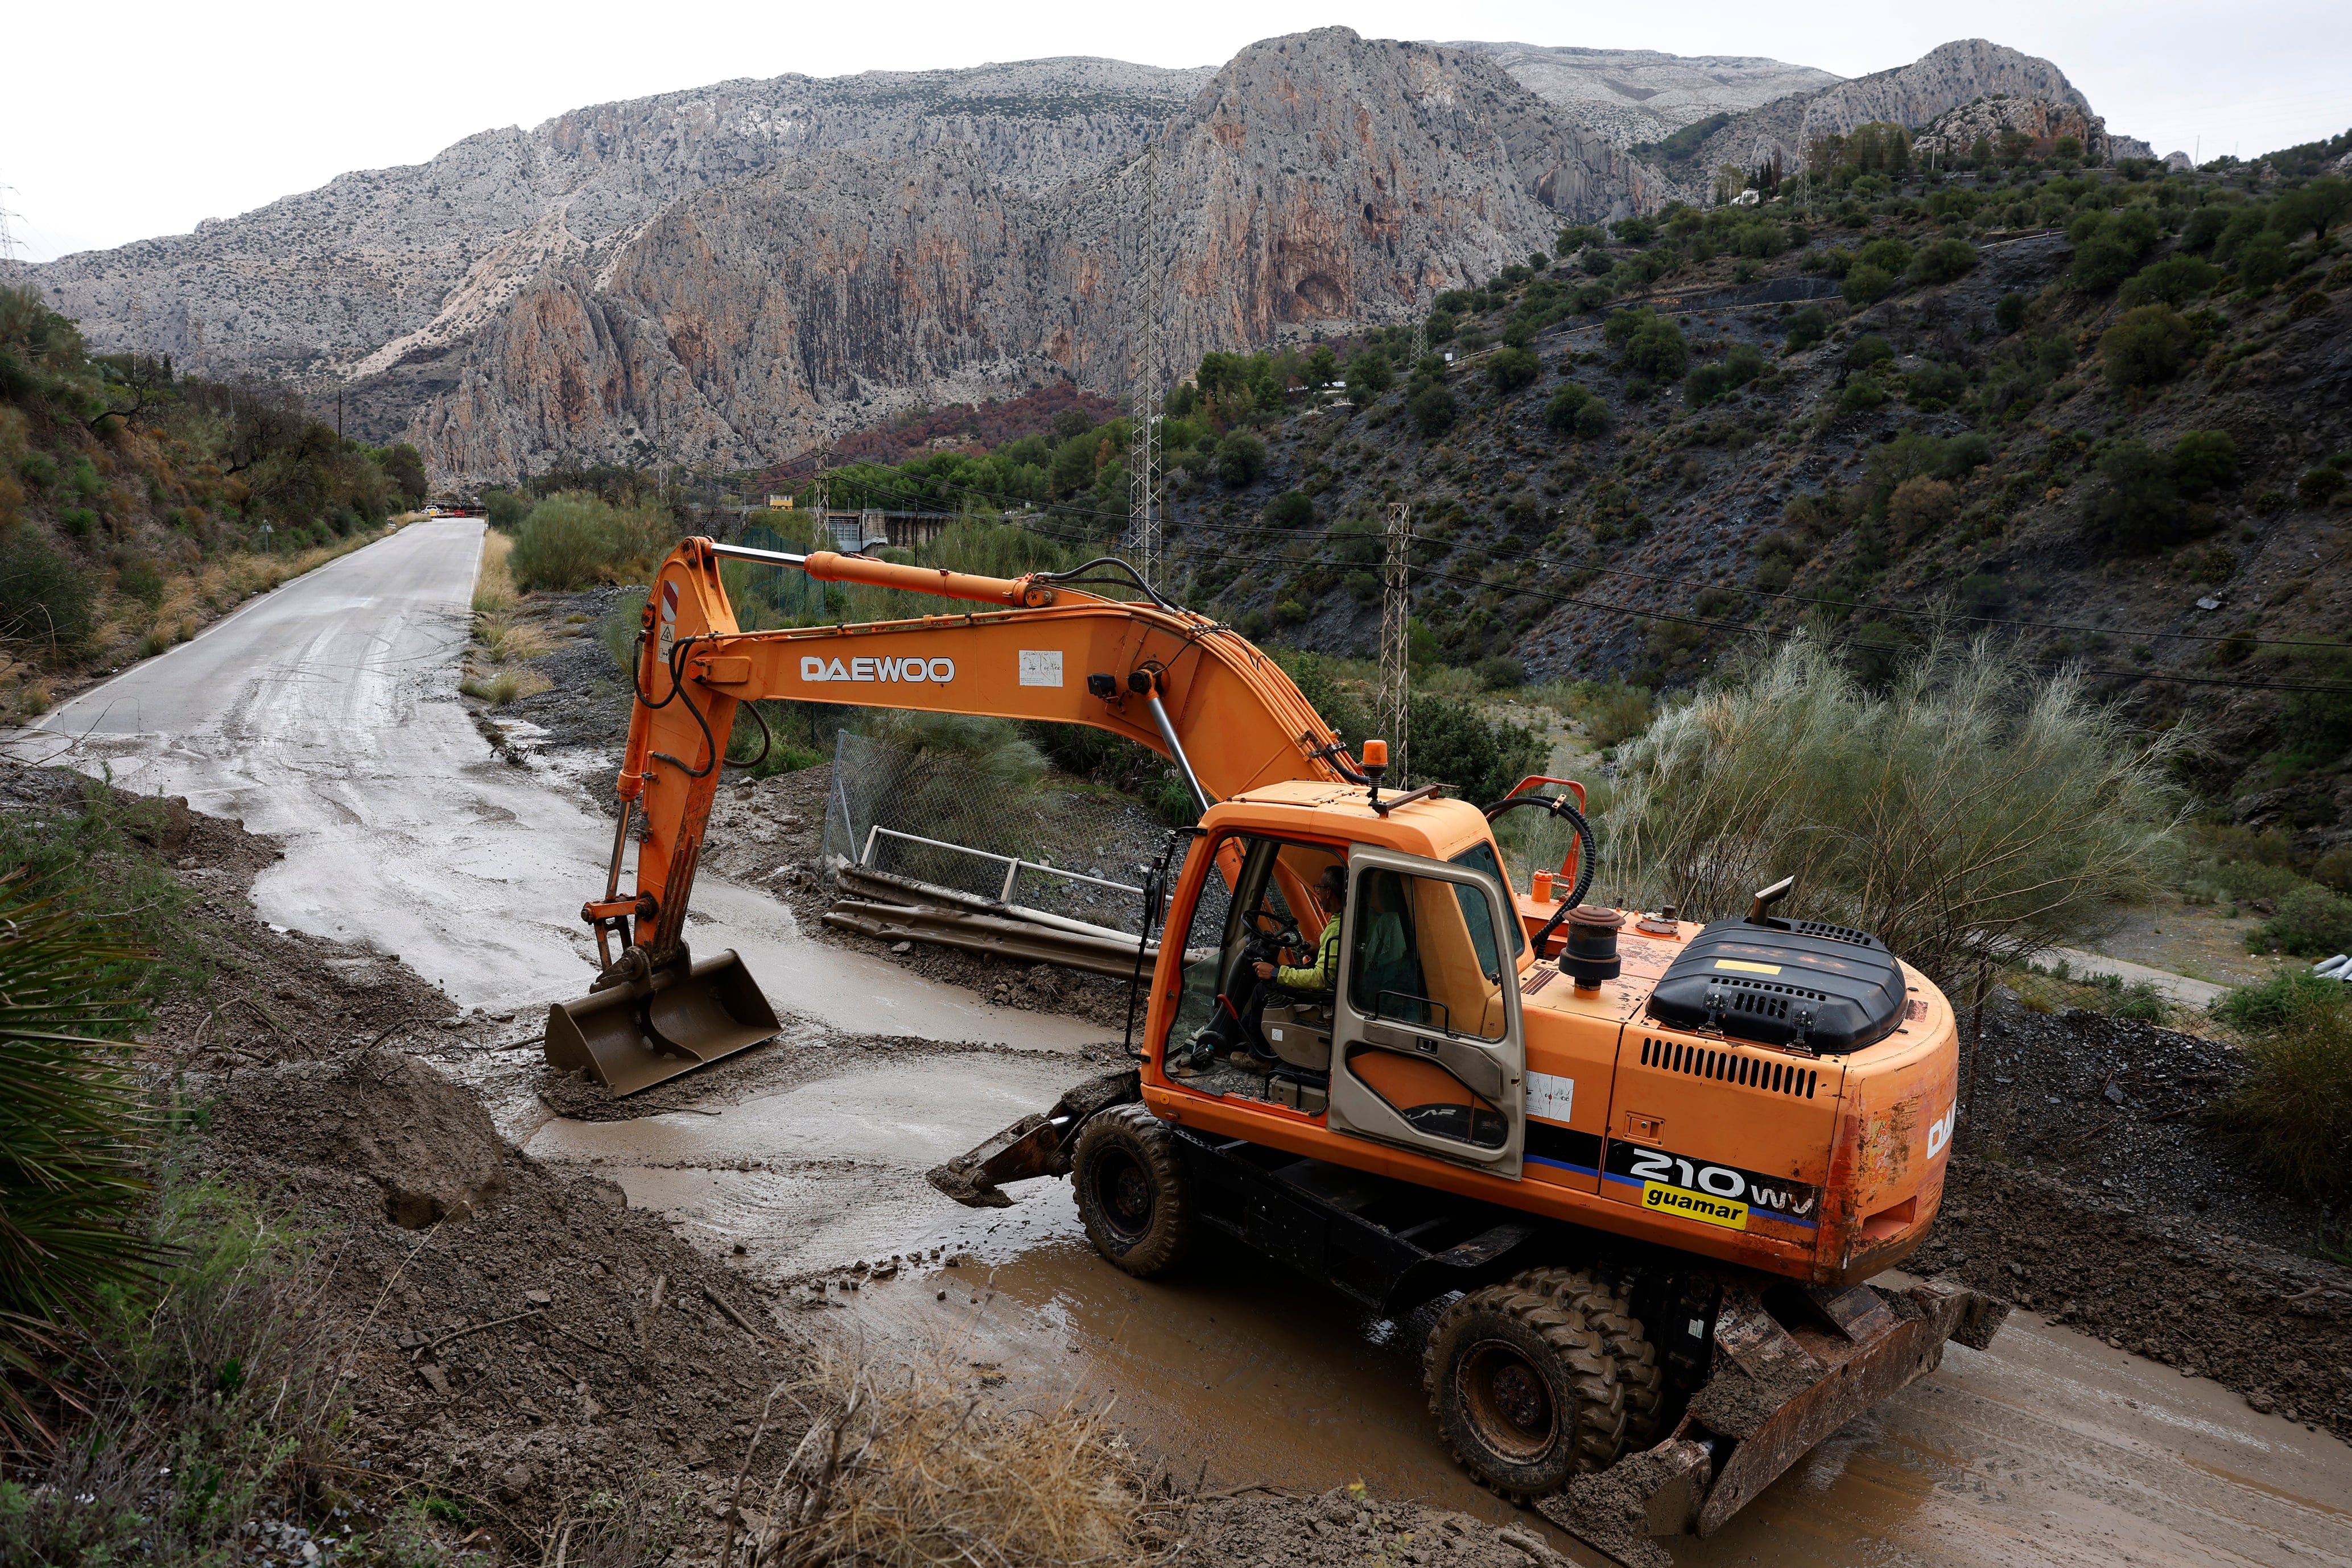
[[1784, 983]]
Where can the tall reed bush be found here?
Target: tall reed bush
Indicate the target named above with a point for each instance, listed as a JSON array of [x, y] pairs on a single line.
[[1974, 808]]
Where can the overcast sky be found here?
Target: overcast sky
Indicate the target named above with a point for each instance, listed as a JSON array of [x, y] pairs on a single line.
[[127, 120]]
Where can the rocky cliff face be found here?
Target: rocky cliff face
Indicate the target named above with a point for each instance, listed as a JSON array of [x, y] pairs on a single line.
[[1633, 95], [1313, 183], [1987, 119], [380, 265], [1950, 78]]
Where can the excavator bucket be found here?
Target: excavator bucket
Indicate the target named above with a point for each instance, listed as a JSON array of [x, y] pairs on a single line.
[[633, 1035]]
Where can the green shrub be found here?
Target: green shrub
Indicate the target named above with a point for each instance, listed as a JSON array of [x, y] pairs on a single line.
[[78, 521], [1868, 349], [1239, 459], [1655, 346], [1891, 256], [2292, 1114], [1291, 509], [2174, 280], [2008, 314], [1502, 672], [573, 539], [1432, 409], [2319, 487], [142, 580], [2311, 922], [2294, 997], [45, 598], [1512, 369], [2108, 248], [1944, 261], [1453, 742], [1806, 327], [1574, 410], [2309, 304], [2204, 460], [1861, 395], [2264, 260], [2150, 344], [1369, 374], [1611, 712], [1867, 285], [38, 469], [2136, 504]]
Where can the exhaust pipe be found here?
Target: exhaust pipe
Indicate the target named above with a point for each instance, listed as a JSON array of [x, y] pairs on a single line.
[[632, 1036]]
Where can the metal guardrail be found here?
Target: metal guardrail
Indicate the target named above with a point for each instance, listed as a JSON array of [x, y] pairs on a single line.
[[1013, 864]]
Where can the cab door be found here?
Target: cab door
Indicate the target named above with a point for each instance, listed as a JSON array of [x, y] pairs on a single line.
[[1426, 1049]]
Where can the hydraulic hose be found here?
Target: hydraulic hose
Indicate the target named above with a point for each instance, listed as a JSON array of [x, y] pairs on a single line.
[[677, 689], [767, 740]]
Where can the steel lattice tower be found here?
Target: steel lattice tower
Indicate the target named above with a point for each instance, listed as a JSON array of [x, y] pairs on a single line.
[[1390, 705], [1143, 454]]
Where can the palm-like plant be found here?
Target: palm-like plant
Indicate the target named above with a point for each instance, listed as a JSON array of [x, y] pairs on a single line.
[[73, 1127]]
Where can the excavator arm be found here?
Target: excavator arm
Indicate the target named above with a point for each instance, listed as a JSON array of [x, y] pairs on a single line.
[[1041, 646]]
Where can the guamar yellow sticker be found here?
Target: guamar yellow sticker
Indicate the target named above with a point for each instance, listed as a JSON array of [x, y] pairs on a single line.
[[1745, 968], [1695, 1206]]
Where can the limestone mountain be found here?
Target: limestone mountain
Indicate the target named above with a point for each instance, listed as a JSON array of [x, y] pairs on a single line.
[[1948, 78], [382, 263], [1315, 184], [1636, 96]]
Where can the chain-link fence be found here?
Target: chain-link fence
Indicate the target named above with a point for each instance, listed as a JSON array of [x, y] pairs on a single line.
[[790, 593], [1064, 852]]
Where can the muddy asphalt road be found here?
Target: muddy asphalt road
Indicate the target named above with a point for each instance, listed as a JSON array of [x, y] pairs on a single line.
[[327, 714]]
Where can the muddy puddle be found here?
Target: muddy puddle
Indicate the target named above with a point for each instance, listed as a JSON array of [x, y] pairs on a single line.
[[2048, 1448]]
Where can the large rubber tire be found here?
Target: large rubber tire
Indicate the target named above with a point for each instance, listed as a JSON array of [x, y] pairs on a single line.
[[1606, 1312], [1524, 1391], [1128, 1176]]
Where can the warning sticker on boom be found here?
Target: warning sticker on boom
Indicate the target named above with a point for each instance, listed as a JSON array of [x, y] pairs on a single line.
[[1040, 667]]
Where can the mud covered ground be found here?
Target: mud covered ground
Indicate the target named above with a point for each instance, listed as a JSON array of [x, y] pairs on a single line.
[[2090, 1190]]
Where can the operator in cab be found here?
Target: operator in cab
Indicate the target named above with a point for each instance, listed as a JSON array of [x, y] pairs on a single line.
[[1241, 1032]]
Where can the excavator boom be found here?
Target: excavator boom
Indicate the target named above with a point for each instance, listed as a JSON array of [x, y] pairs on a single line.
[[1042, 646]]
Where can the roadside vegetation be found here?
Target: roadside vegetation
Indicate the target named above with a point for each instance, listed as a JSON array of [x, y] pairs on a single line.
[[136, 501], [1969, 810], [2292, 1111]]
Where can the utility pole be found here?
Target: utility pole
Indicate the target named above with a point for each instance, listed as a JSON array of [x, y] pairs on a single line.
[[820, 497], [1390, 705], [1143, 452]]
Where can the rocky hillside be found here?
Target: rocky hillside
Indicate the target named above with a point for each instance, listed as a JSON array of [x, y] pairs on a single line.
[[2126, 443], [721, 276], [1317, 184], [1632, 96]]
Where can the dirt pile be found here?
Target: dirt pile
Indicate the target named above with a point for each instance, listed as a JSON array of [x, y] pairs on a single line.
[[518, 1338], [393, 1118], [1346, 1525]]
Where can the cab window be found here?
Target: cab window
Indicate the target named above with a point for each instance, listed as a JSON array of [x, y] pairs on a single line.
[[1418, 956], [1480, 856]]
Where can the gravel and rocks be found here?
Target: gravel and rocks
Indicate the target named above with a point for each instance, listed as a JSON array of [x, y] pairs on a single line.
[[2090, 1190]]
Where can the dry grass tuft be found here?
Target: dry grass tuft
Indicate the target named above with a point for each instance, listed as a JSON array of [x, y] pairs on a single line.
[[906, 1467], [494, 586], [505, 638]]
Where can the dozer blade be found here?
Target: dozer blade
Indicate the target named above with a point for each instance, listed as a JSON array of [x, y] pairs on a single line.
[[1786, 1376], [633, 1036]]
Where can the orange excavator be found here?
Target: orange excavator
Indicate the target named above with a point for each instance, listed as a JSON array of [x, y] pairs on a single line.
[[1635, 1171]]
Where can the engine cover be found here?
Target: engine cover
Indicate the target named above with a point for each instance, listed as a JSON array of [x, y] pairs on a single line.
[[1801, 982]]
